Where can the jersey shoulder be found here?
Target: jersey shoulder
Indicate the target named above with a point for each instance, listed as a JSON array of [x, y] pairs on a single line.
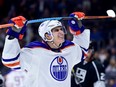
[[36, 44], [67, 43], [99, 65]]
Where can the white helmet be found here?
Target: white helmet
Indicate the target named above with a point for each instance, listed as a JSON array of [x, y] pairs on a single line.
[[46, 27]]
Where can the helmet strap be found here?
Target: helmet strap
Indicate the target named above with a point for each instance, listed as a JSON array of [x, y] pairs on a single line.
[[56, 46]]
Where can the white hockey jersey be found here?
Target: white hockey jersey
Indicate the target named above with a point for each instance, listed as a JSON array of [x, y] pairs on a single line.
[[15, 78], [46, 68]]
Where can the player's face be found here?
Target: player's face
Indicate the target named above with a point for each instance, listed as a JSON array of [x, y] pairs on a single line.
[[58, 35], [89, 54]]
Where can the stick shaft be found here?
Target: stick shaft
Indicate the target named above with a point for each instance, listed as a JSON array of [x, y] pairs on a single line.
[[44, 19], [96, 17], [36, 21], [54, 18], [6, 25], [65, 18]]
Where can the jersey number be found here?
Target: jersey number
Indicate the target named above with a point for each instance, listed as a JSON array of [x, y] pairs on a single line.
[[18, 80]]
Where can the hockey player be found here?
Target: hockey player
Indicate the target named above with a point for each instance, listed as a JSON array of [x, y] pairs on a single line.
[[48, 63], [15, 78], [89, 72], [2, 80]]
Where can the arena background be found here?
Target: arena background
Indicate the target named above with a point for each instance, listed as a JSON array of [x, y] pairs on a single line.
[[103, 31]]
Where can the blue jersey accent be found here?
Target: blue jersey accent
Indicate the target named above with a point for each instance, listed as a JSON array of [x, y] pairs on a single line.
[[66, 44], [37, 44], [84, 49], [11, 59], [44, 45], [82, 58], [17, 68]]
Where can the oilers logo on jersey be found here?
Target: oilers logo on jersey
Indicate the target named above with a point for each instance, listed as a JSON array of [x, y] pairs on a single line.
[[59, 68]]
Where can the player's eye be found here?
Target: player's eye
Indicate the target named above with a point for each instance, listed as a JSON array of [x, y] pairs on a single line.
[[58, 29]]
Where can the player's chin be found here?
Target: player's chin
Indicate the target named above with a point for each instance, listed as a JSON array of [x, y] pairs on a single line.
[[61, 40]]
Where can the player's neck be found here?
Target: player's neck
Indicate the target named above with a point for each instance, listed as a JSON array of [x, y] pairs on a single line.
[[54, 45]]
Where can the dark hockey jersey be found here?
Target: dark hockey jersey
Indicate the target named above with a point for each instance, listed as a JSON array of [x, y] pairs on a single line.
[[86, 74]]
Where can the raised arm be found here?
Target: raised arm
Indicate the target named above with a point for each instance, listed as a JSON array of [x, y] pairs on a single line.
[[11, 51], [81, 36]]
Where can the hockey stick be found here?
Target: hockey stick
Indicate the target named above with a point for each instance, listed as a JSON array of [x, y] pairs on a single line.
[[54, 18], [37, 21], [111, 14]]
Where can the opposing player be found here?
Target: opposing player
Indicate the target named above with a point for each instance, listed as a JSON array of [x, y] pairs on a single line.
[[48, 63], [2, 80], [15, 78], [88, 73]]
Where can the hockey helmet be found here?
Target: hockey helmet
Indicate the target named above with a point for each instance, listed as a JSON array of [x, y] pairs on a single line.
[[46, 27]]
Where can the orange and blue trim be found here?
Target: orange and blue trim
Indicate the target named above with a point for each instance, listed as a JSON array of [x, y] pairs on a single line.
[[12, 62]]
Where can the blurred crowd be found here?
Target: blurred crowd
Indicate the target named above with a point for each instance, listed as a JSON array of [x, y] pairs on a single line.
[[102, 30]]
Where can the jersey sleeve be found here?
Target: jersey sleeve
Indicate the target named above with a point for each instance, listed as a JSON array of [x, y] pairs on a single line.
[[79, 55], [13, 55], [99, 84], [83, 39], [26, 58], [10, 54]]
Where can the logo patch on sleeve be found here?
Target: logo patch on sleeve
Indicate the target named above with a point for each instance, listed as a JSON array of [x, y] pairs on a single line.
[[59, 68]]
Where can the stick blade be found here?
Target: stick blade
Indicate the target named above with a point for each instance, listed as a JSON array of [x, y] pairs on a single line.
[[111, 13]]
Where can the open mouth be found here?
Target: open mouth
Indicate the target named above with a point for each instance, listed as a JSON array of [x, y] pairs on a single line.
[[61, 36]]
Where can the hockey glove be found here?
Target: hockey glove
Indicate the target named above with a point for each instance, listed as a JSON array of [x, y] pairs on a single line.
[[19, 28], [75, 25]]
